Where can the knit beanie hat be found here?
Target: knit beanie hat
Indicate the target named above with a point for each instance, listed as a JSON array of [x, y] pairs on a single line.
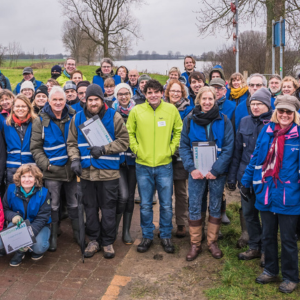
[[263, 95], [82, 83], [70, 85], [123, 86], [27, 85], [288, 102], [144, 77], [94, 90], [56, 68], [42, 90]]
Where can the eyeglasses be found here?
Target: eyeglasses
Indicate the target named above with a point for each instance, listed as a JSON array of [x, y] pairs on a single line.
[[218, 88], [132, 75], [175, 92], [21, 107], [256, 104], [255, 84], [282, 111], [106, 67], [123, 95]]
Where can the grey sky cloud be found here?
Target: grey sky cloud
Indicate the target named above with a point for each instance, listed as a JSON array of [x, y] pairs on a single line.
[[165, 25]]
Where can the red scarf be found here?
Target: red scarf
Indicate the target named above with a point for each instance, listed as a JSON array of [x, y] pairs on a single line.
[[19, 122], [273, 161]]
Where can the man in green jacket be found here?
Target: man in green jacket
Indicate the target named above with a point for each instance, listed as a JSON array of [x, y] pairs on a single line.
[[154, 132]]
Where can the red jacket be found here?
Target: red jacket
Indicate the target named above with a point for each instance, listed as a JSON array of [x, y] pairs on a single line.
[[1, 216]]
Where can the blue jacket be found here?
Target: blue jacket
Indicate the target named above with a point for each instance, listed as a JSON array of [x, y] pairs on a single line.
[[97, 79], [35, 82], [105, 162], [220, 131], [245, 141], [4, 82], [238, 100], [77, 107], [18, 152], [186, 75], [36, 208], [285, 198], [243, 110], [226, 107], [133, 88]]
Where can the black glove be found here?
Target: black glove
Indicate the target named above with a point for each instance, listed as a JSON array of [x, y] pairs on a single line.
[[96, 152], [245, 192], [76, 167], [231, 187]]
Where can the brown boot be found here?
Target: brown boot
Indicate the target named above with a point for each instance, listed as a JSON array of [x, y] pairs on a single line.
[[212, 236], [195, 235], [181, 231]]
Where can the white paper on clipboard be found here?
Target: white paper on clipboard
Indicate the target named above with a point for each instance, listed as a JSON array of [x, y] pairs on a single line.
[[205, 155], [95, 132]]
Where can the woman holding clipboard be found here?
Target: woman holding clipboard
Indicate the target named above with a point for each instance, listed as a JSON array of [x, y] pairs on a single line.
[[206, 124]]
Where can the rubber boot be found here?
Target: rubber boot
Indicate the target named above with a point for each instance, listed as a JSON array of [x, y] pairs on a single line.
[[225, 220], [126, 228], [213, 228], [53, 237], [75, 227], [195, 238], [244, 238], [118, 220], [203, 218]]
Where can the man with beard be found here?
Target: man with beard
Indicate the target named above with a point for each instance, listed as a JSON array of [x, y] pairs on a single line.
[[275, 86]]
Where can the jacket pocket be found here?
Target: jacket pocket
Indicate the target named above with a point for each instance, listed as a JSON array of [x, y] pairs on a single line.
[[290, 194]]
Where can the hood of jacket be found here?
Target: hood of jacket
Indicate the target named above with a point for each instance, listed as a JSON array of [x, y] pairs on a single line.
[[101, 74], [219, 70]]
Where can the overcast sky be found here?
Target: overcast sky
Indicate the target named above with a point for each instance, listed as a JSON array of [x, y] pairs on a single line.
[[165, 25]]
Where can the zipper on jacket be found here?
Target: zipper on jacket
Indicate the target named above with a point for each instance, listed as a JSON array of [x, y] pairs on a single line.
[[154, 143]]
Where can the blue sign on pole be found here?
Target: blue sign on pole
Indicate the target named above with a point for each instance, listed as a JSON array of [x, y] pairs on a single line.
[[283, 32], [277, 33]]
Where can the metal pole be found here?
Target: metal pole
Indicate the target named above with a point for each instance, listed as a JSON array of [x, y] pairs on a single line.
[[273, 48], [281, 49], [237, 37]]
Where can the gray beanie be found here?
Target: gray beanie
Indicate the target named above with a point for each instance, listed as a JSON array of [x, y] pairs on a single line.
[[94, 90], [263, 95], [144, 77], [70, 85]]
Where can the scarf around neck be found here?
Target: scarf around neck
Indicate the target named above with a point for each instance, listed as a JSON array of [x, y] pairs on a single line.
[[203, 119], [237, 93], [18, 121], [66, 73], [123, 111], [273, 162]]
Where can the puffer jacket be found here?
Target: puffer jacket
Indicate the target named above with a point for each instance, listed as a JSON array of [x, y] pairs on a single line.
[[58, 173], [2, 219], [245, 141], [285, 198]]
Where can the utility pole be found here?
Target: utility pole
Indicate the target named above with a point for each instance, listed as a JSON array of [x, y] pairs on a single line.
[[234, 9]]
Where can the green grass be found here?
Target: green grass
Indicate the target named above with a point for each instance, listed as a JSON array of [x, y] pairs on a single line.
[[15, 74], [237, 278]]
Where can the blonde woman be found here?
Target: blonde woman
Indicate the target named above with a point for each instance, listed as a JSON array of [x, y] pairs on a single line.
[[238, 89]]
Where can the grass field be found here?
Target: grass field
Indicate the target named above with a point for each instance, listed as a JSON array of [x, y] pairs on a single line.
[[43, 74]]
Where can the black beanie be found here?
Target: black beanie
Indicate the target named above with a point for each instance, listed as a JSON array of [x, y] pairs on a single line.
[[94, 90], [83, 83], [42, 90]]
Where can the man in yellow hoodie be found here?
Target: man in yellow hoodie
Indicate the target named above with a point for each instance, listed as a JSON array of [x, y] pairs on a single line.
[[154, 131]]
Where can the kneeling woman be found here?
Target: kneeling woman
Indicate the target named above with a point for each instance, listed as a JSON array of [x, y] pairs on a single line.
[[206, 124], [274, 173], [27, 199]]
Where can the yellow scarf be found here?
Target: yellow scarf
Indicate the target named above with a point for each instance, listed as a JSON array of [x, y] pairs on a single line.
[[237, 93]]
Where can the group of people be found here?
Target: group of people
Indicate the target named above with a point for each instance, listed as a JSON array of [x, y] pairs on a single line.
[[46, 161]]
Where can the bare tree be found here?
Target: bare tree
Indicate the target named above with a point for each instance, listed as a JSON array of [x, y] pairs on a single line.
[[107, 22], [43, 57], [2, 54], [215, 16], [72, 36], [14, 50], [31, 54], [88, 49]]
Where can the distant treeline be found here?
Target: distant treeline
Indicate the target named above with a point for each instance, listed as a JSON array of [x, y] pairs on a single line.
[[35, 56]]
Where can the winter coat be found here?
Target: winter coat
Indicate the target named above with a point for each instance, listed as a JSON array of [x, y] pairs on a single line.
[[2, 218], [238, 100], [285, 198], [223, 138], [58, 169], [226, 107], [150, 133], [245, 141], [36, 208], [100, 78], [4, 82], [78, 106], [63, 78], [243, 110], [120, 143], [35, 82], [186, 75], [139, 97], [2, 156]]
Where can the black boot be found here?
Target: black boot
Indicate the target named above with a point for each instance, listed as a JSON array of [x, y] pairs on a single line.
[[53, 237], [118, 220], [126, 228], [75, 227]]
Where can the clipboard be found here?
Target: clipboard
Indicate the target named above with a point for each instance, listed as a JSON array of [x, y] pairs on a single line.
[[205, 155], [95, 132], [14, 238]]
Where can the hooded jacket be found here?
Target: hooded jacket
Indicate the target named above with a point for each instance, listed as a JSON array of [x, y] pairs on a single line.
[[218, 69], [100, 78]]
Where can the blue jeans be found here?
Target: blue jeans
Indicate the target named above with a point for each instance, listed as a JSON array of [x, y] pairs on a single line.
[[42, 240], [197, 192], [161, 178]]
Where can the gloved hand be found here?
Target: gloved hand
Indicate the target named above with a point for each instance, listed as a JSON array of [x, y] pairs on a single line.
[[96, 152], [231, 187], [245, 192], [17, 220], [76, 167]]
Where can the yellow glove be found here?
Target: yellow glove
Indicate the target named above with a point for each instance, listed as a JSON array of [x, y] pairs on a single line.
[[17, 220]]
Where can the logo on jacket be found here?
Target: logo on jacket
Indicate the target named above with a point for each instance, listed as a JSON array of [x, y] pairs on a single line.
[[293, 149]]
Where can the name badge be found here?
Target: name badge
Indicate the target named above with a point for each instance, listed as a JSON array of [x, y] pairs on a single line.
[[161, 123]]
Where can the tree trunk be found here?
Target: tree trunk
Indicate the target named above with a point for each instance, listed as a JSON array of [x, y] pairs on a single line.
[[105, 45]]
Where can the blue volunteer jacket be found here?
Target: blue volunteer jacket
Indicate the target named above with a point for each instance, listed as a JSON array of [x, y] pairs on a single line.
[[99, 80], [36, 84], [226, 107], [285, 198], [77, 107], [106, 162], [18, 152], [186, 75]]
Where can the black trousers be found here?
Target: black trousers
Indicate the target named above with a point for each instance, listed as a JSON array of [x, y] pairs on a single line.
[[101, 195], [127, 183], [289, 250]]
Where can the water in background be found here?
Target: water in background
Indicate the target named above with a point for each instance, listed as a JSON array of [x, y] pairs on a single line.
[[155, 66]]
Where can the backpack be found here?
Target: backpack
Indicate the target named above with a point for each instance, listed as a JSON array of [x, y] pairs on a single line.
[[2, 81]]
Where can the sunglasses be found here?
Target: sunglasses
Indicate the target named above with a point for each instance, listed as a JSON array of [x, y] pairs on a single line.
[[282, 111]]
